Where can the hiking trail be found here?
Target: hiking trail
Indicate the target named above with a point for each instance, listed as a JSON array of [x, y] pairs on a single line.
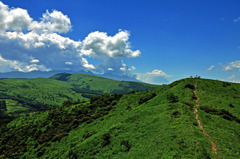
[[214, 146]]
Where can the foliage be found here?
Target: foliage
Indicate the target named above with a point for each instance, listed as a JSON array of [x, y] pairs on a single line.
[[172, 98], [30, 95], [104, 127], [3, 105], [146, 98], [55, 125]]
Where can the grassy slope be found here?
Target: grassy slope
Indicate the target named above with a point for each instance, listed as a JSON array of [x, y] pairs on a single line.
[[92, 82], [38, 93], [157, 128], [224, 99], [28, 95]]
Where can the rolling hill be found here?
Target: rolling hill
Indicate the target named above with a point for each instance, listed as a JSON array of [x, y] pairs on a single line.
[[190, 118], [91, 84], [29, 95]]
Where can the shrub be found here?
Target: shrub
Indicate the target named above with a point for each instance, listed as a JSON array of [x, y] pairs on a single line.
[[146, 98], [126, 144], [189, 104], [176, 113], [190, 86], [106, 139], [3, 105], [131, 92], [172, 98], [231, 105], [194, 97]]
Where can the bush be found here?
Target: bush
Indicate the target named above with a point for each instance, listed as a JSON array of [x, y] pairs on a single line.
[[106, 139], [190, 86], [172, 98], [231, 105], [194, 97], [3, 105], [146, 98], [131, 92], [189, 104], [126, 144]]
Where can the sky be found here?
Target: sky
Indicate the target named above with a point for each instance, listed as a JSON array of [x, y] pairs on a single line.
[[155, 41]]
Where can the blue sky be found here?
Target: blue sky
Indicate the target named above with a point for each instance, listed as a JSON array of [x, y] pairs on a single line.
[[175, 39]]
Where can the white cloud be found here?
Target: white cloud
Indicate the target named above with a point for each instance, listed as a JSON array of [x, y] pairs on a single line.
[[14, 65], [157, 73], [232, 66], [29, 45], [51, 49], [236, 20], [35, 61], [211, 68], [154, 77], [68, 63], [52, 22], [18, 19], [111, 50], [133, 68], [100, 45], [234, 79], [13, 19]]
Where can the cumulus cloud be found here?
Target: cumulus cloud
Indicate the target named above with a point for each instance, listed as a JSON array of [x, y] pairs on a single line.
[[51, 49], [100, 45], [27, 45], [14, 65], [154, 77], [111, 50], [55, 21], [232, 66], [18, 19], [211, 68], [13, 19]]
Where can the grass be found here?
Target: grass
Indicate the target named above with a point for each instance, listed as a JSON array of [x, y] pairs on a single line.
[[221, 96], [30, 95], [147, 124]]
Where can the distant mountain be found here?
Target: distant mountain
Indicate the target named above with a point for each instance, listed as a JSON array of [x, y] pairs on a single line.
[[34, 74], [190, 118], [47, 74], [29, 95], [119, 78]]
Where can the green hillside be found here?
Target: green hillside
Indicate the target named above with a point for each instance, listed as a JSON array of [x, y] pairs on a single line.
[[29, 95], [91, 84], [158, 123]]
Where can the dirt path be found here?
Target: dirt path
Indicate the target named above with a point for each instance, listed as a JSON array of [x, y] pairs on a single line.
[[214, 146]]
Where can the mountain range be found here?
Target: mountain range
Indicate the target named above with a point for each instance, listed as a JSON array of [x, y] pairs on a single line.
[[47, 74]]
